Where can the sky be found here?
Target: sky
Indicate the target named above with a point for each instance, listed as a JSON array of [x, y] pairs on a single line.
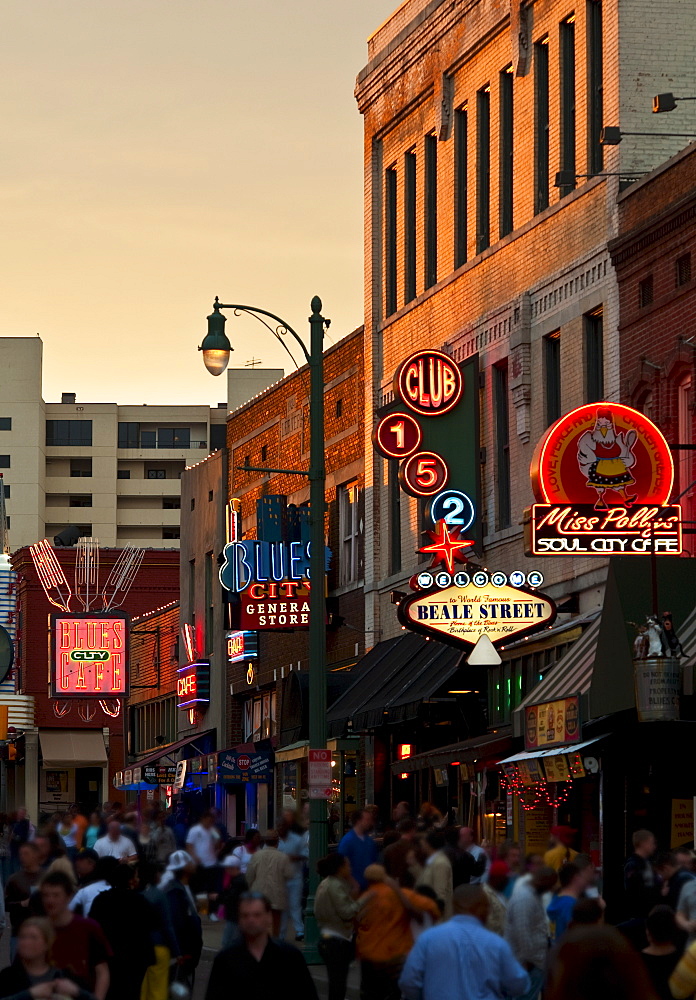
[[156, 153]]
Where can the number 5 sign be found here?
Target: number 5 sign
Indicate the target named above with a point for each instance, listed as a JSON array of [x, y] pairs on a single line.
[[423, 474]]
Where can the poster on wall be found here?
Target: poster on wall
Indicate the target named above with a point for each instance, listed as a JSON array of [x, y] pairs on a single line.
[[57, 788], [552, 723]]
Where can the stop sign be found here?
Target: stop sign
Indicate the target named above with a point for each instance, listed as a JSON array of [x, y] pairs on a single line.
[[243, 762]]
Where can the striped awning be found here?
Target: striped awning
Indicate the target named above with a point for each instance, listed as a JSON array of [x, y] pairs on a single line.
[[571, 675], [687, 637]]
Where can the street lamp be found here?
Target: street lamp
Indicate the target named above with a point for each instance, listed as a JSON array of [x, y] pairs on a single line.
[[217, 348]]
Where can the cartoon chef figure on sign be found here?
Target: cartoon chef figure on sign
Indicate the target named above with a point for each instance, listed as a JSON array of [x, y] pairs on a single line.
[[605, 458]]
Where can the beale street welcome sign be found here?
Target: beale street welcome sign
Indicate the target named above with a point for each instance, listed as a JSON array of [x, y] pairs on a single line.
[[603, 476]]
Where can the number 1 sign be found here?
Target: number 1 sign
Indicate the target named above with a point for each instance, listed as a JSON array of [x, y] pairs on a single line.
[[397, 435]]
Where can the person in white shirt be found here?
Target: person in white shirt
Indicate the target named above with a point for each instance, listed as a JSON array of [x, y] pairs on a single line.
[[115, 845], [94, 875], [202, 844], [243, 853]]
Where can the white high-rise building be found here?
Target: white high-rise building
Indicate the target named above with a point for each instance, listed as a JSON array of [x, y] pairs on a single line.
[[107, 470]]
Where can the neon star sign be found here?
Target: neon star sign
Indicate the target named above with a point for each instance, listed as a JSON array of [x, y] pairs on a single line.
[[446, 546]]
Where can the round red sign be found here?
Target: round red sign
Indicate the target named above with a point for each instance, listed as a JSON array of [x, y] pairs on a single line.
[[603, 454], [397, 435], [243, 762], [423, 474], [429, 382]]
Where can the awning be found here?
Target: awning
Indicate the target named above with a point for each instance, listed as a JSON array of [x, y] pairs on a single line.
[[487, 747], [552, 752], [172, 748], [392, 681], [72, 748], [571, 675], [687, 637]]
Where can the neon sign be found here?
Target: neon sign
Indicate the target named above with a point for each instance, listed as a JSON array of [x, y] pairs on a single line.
[[602, 476], [89, 656], [423, 474], [283, 563], [193, 684], [397, 435], [241, 646], [429, 382], [471, 606]]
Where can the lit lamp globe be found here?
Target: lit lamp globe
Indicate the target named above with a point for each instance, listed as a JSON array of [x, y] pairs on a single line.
[[216, 347]]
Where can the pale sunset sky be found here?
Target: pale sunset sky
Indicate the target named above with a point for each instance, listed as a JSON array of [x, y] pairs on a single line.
[[156, 153]]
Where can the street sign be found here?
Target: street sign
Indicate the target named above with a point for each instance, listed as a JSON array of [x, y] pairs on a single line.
[[320, 793], [319, 769]]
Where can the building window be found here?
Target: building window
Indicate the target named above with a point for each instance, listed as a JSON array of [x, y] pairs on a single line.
[[394, 488], [502, 444], [410, 226], [505, 165], [461, 138], [567, 77], [84, 500], [247, 460], [156, 473], [552, 376], [4, 461], [645, 292], [211, 494], [541, 125], [594, 356], [153, 724], [69, 433], [171, 533], [218, 436], [128, 435], [595, 93], [122, 474], [339, 409], [390, 241], [192, 592], [430, 213], [209, 604], [264, 452], [5, 423], [171, 503], [483, 168], [348, 527], [683, 269], [174, 437], [6, 490], [148, 439], [193, 503], [8, 521], [685, 420], [81, 468]]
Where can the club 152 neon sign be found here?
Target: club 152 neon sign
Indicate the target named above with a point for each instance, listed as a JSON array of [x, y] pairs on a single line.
[[89, 656]]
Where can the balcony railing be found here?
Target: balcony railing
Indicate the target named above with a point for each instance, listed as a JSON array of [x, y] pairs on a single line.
[[158, 446]]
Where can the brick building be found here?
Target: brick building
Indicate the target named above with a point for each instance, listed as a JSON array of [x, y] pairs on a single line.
[[485, 239], [653, 256], [268, 706], [73, 750]]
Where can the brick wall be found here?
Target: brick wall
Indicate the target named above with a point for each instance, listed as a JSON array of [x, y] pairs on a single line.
[[656, 230], [278, 421]]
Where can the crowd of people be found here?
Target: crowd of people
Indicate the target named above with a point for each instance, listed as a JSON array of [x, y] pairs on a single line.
[[111, 906]]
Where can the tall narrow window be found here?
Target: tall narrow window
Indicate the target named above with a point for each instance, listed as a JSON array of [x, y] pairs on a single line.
[[348, 531], [594, 356], [595, 97], [502, 444], [209, 604], [567, 39], [541, 125], [483, 169], [394, 517], [460, 185], [685, 419], [390, 241], [505, 167], [409, 226], [430, 218], [552, 375]]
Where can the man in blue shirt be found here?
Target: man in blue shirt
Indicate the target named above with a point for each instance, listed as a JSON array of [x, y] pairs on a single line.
[[462, 959], [358, 846]]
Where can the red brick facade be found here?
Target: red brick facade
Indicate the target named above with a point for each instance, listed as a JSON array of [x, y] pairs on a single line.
[[273, 430], [156, 584], [655, 260]]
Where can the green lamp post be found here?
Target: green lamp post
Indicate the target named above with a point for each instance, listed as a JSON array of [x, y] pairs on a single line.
[[216, 350]]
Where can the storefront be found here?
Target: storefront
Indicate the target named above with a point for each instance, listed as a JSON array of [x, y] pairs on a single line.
[[74, 767]]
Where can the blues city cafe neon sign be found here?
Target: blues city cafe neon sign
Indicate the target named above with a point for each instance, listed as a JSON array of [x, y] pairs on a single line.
[[602, 476], [89, 655]]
